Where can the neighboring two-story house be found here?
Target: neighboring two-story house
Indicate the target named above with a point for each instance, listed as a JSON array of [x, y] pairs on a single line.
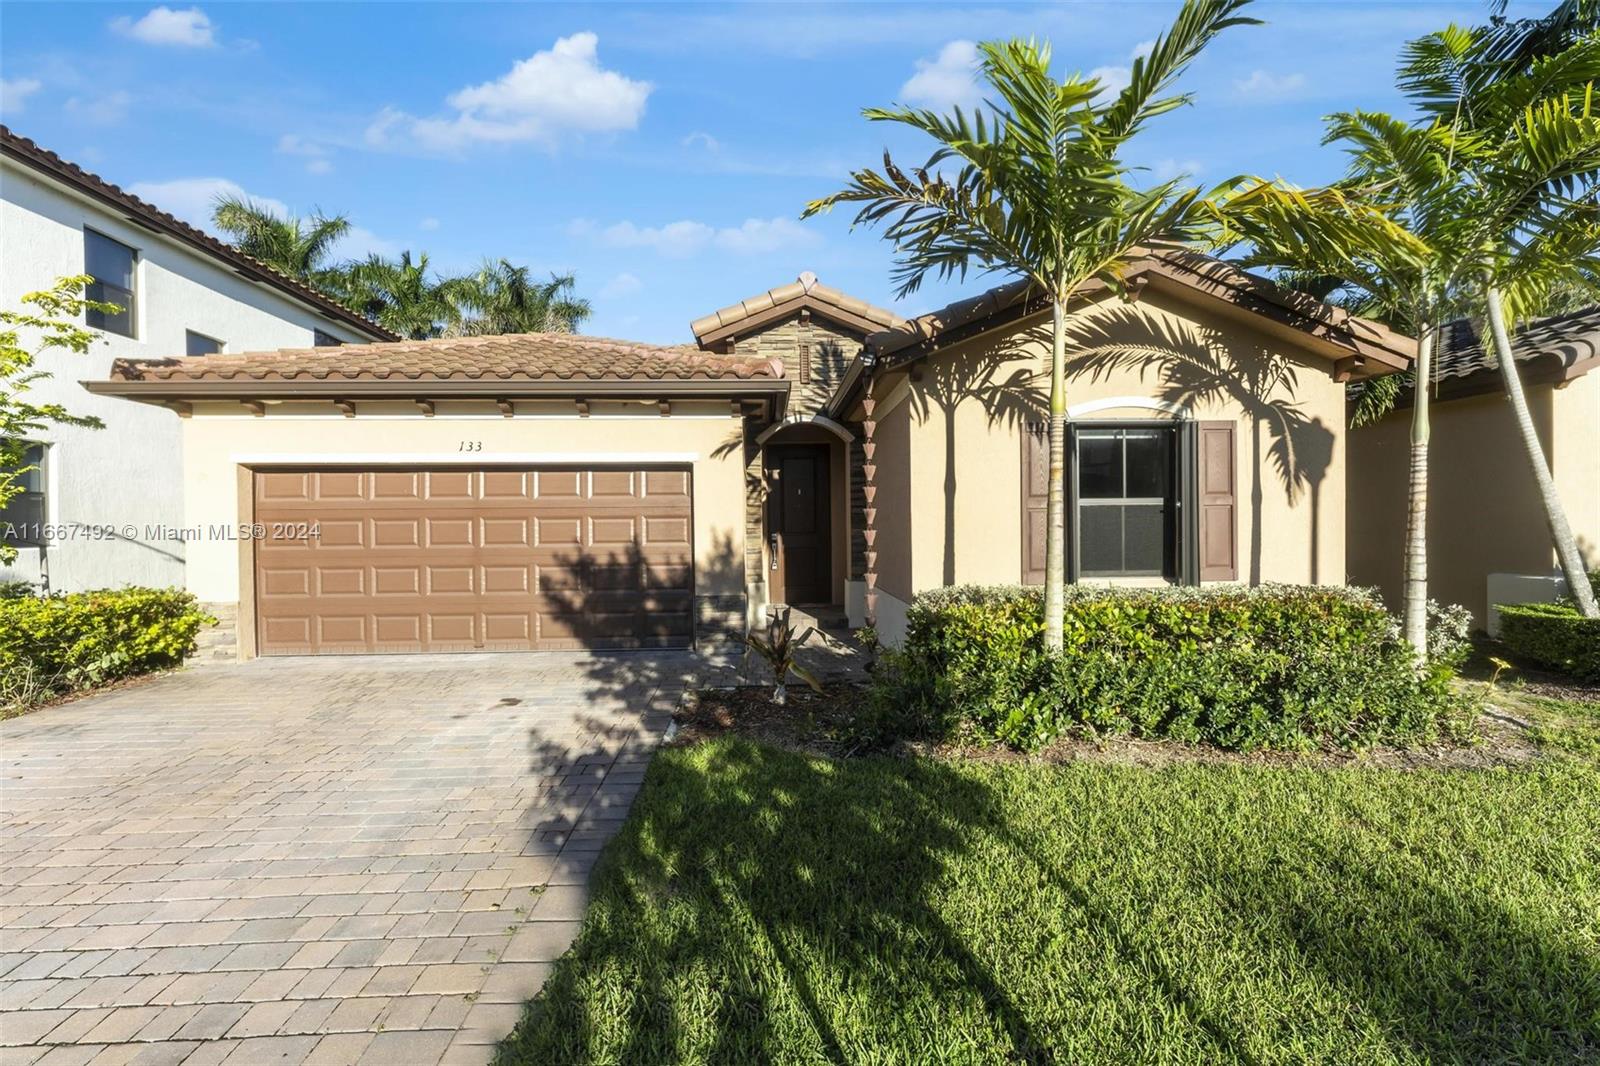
[[181, 292]]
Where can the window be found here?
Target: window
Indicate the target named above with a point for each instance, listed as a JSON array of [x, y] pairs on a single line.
[[111, 264], [23, 514], [325, 340], [1126, 501], [200, 344]]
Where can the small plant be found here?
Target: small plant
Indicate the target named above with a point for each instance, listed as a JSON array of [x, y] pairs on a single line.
[[1449, 633], [779, 648], [867, 637]]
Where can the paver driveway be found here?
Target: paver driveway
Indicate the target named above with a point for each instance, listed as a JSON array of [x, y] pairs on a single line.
[[321, 860]]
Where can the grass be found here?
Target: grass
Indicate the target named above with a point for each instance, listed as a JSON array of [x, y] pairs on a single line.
[[765, 906]]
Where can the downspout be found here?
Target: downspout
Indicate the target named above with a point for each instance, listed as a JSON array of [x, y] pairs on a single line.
[[869, 489]]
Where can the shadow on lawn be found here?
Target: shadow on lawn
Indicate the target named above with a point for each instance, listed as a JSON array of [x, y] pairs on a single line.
[[761, 905]]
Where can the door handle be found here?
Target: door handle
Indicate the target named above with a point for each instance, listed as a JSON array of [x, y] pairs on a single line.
[[777, 545]]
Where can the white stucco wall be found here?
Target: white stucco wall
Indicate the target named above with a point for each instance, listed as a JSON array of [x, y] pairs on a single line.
[[128, 474]]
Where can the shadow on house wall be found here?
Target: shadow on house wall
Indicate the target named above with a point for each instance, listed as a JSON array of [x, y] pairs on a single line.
[[1007, 394], [1197, 366]]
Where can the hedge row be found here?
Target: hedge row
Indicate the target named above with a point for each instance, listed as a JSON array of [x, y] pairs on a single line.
[[1553, 635], [1273, 667], [55, 644]]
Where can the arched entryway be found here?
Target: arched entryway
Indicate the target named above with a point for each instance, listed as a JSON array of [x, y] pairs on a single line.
[[806, 543]]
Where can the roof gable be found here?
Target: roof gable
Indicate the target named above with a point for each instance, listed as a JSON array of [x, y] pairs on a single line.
[[805, 293]]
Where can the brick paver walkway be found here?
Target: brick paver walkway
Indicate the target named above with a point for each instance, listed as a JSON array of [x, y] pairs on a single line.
[[310, 860]]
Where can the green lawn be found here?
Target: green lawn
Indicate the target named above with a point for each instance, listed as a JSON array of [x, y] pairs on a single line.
[[766, 906]]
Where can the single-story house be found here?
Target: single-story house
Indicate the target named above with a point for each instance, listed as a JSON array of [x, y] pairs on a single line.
[[556, 491], [1487, 538]]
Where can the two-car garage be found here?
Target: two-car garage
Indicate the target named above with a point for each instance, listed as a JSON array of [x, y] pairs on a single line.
[[491, 559]]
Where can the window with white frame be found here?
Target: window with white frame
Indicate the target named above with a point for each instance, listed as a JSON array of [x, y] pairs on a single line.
[[112, 266]]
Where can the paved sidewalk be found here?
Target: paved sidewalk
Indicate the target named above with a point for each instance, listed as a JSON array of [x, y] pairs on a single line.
[[334, 860]]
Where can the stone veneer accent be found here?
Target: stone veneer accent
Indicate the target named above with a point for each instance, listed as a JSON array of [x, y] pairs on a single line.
[[814, 352], [218, 643], [719, 618]]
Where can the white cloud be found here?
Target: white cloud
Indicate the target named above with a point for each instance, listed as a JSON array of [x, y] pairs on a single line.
[[189, 28], [14, 93], [1167, 169], [947, 81], [758, 236], [702, 138], [755, 236], [315, 154], [622, 285], [294, 144], [192, 199], [563, 90], [103, 110], [1114, 78], [1265, 83], [429, 223], [360, 243]]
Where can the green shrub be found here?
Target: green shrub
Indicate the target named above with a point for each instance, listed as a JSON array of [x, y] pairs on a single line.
[[1553, 635], [74, 641], [1273, 667]]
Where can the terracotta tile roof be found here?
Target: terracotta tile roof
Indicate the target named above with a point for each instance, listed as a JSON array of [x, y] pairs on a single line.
[[805, 291], [511, 357], [42, 160], [1561, 342], [1190, 270]]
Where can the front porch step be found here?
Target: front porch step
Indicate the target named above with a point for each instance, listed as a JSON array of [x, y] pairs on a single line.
[[825, 618]]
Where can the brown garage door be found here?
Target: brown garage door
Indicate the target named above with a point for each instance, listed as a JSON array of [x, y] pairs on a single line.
[[472, 560]]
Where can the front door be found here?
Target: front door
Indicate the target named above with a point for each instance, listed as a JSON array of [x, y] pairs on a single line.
[[799, 523]]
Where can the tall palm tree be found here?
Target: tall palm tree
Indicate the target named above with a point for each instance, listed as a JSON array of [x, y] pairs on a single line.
[[1522, 100], [401, 295], [1390, 234], [503, 298], [1038, 188], [297, 246]]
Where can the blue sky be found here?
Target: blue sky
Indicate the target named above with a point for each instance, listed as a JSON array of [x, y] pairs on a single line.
[[663, 151]]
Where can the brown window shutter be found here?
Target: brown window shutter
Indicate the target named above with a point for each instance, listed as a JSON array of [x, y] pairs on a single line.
[[1217, 488], [1035, 499]]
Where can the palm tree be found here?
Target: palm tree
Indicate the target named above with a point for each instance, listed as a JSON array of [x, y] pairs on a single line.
[[504, 298], [1039, 189], [297, 246], [401, 295], [1390, 234], [1527, 132]]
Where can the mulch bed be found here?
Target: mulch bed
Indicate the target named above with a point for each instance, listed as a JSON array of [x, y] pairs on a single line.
[[813, 723]]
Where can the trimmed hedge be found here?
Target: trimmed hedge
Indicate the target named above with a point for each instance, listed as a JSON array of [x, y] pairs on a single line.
[[1553, 635], [1285, 667], [66, 642]]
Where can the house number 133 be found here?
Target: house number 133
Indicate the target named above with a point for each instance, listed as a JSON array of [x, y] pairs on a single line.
[[471, 446]]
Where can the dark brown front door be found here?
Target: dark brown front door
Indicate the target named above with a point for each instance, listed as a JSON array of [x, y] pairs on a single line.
[[444, 560], [801, 519]]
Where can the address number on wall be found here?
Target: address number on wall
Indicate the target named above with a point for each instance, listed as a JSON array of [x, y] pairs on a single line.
[[471, 446]]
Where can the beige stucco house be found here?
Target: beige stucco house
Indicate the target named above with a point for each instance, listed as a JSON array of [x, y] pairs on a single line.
[[553, 491], [1487, 539]]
